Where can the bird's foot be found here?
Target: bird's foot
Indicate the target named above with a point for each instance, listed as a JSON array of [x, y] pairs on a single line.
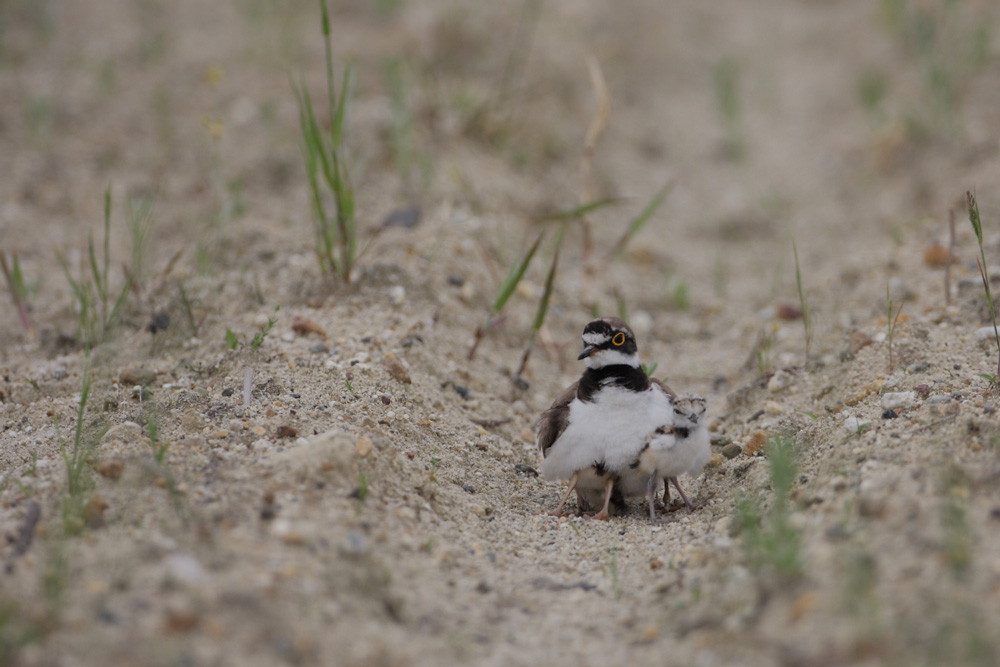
[[600, 516], [696, 505], [670, 509]]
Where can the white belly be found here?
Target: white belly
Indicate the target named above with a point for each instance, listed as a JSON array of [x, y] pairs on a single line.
[[669, 456], [610, 430]]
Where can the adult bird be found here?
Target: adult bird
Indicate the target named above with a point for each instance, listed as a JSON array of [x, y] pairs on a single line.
[[596, 428]]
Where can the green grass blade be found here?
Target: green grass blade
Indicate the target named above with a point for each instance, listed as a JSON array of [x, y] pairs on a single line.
[[514, 276], [116, 310], [579, 211], [314, 152], [107, 242], [337, 121], [107, 234], [328, 57], [977, 224], [640, 220], [17, 278], [804, 304], [543, 305], [96, 272], [345, 202], [74, 286]]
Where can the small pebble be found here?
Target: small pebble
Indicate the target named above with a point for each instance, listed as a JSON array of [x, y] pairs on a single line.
[[364, 446], [857, 341], [408, 217], [160, 322], [184, 569], [898, 399], [732, 451], [719, 440], [889, 414], [936, 255], [397, 293], [303, 326], [112, 468], [137, 375], [854, 424], [397, 371], [755, 443], [938, 399], [523, 469], [355, 545], [984, 333], [641, 322], [779, 381]]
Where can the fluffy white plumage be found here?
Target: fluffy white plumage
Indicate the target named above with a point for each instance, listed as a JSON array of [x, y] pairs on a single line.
[[602, 358], [610, 430], [680, 447]]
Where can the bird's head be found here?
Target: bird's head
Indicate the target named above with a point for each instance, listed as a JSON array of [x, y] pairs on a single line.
[[688, 409], [608, 341]]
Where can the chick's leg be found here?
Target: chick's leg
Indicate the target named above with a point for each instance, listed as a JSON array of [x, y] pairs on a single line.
[[651, 495], [691, 507]]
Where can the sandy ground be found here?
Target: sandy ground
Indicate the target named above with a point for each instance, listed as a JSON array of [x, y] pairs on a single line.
[[374, 501]]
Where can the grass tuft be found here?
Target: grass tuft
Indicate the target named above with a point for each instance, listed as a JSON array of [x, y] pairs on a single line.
[[77, 460], [336, 242], [977, 226], [18, 289], [890, 322], [771, 543], [98, 307]]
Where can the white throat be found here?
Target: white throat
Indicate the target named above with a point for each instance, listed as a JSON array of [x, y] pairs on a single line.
[[603, 358]]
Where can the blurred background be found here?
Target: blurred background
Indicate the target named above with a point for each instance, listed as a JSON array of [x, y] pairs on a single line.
[[844, 125]]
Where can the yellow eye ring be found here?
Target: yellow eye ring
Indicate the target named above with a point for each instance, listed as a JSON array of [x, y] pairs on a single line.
[[618, 340]]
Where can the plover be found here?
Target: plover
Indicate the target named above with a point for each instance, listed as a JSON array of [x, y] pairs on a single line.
[[598, 426], [673, 449]]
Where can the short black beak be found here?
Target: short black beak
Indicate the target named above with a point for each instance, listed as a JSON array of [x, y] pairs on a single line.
[[587, 351], [694, 419]]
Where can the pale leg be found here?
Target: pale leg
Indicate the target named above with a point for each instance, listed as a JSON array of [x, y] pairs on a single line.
[[687, 502], [572, 485], [603, 514], [651, 495]]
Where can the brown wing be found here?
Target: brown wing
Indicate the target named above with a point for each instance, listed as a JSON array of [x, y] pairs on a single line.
[[667, 390], [554, 420]]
